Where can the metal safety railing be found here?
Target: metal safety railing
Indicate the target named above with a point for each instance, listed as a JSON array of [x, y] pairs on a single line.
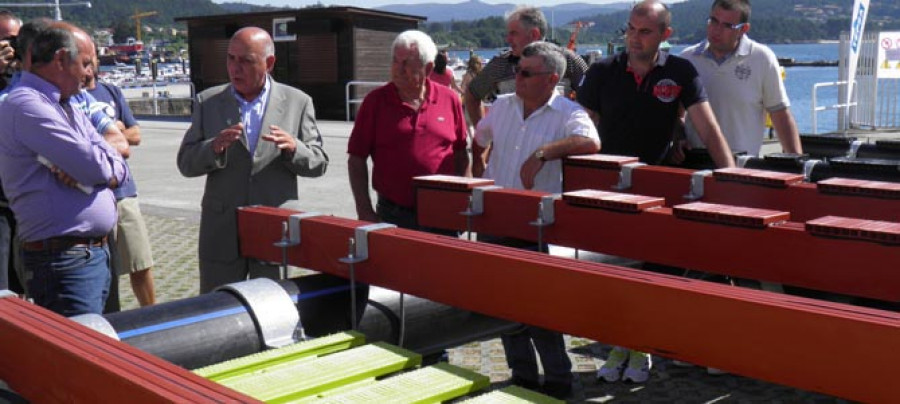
[[348, 101], [841, 107], [156, 92]]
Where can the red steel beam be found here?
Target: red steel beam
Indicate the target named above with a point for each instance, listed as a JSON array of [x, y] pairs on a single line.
[[48, 358], [783, 339], [782, 252], [805, 201]]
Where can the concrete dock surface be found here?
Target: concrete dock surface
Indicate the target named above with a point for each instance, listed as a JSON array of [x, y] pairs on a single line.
[[171, 206]]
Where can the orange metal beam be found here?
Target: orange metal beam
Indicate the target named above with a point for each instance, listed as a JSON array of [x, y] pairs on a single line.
[[783, 339], [805, 201], [782, 253], [48, 358]]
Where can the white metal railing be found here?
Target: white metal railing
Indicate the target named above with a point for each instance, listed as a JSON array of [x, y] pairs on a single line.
[[348, 101], [839, 106], [156, 92]]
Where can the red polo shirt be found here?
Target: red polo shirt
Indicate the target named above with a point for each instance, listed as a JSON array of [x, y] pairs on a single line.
[[406, 143]]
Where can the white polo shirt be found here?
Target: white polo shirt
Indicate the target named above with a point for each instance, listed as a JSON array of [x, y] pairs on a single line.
[[741, 90], [515, 139]]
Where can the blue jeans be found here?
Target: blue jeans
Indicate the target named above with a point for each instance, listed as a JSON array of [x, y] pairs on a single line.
[[69, 282]]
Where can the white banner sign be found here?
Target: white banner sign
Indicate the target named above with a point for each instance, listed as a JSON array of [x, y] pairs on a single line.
[[857, 25], [889, 55]]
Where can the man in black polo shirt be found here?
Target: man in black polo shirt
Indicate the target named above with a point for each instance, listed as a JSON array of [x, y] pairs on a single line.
[[636, 97], [636, 100]]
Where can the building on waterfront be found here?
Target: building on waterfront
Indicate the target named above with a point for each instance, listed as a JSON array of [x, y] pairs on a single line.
[[318, 50]]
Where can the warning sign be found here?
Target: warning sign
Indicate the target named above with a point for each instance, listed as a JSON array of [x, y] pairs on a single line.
[[889, 55]]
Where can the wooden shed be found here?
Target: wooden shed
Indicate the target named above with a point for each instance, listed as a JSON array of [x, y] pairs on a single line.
[[318, 50]]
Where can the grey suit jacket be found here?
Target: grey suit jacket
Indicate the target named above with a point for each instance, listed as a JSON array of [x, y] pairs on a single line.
[[237, 179]]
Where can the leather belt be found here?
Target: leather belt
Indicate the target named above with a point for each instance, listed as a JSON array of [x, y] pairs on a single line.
[[63, 243]]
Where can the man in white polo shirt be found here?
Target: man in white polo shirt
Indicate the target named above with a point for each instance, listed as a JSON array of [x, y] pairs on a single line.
[[742, 80]]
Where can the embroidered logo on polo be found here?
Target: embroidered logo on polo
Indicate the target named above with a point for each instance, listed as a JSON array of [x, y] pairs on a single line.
[[666, 90], [742, 72]]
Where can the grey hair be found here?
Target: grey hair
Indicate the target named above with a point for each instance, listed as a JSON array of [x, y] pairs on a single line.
[[49, 41], [550, 54], [529, 17], [418, 39]]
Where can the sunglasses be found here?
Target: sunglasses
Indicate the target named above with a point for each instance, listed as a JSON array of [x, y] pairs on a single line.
[[712, 21], [526, 74]]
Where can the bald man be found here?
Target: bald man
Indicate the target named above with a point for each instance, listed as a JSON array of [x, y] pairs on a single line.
[[251, 138]]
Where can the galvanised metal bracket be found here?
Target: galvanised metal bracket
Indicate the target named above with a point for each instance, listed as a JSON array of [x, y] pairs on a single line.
[[271, 307], [625, 176], [697, 178]]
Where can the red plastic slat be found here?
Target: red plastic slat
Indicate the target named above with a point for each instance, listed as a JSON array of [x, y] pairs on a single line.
[[613, 200], [601, 160], [877, 231], [451, 182], [846, 186], [758, 177], [729, 215]]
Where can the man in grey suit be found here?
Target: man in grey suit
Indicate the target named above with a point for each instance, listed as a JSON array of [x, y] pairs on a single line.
[[251, 138]]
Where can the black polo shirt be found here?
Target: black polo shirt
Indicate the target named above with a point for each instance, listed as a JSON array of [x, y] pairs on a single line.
[[637, 119]]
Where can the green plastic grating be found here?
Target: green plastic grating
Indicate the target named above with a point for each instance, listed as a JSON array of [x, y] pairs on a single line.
[[296, 379], [319, 346], [433, 384], [512, 395]]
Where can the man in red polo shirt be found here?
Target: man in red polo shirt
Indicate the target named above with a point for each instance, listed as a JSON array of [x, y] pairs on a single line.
[[409, 127]]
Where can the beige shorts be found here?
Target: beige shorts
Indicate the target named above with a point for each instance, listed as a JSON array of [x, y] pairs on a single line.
[[132, 242]]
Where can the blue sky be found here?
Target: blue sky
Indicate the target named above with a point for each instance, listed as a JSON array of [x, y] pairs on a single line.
[[377, 3]]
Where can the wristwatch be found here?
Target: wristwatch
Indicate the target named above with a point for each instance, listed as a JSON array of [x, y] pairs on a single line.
[[539, 154]]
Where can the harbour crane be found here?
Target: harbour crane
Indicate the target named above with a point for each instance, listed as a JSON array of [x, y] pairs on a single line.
[[137, 21]]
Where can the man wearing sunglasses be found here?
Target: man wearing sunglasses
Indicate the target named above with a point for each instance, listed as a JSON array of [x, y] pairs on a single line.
[[742, 80], [530, 132], [524, 25]]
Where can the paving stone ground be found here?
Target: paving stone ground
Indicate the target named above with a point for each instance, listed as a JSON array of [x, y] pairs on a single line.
[[175, 273]]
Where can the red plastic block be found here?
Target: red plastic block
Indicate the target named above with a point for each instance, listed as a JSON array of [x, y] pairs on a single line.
[[877, 231], [613, 200], [846, 186], [758, 177], [730, 215], [451, 182], [601, 160]]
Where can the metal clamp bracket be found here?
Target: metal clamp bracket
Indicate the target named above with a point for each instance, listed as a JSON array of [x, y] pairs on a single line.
[[808, 167], [97, 323], [476, 201], [271, 307], [625, 176], [293, 237], [854, 148], [546, 210], [360, 252], [741, 161], [697, 179]]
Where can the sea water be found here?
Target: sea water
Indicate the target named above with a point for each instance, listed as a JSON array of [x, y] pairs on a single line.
[[798, 81]]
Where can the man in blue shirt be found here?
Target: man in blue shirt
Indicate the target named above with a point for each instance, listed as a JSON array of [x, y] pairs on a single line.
[[58, 173], [132, 241]]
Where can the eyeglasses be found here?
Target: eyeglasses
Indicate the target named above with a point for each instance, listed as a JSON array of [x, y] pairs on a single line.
[[713, 22], [526, 74]]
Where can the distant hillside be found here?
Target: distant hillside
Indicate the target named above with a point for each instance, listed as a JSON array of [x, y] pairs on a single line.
[[474, 9], [772, 21]]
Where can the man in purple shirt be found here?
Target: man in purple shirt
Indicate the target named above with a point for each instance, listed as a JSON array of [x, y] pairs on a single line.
[[58, 173]]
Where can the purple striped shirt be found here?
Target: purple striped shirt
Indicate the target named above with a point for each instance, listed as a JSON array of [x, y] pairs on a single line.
[[34, 124]]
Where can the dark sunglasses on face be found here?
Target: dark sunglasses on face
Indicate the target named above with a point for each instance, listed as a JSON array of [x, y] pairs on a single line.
[[526, 74], [712, 21]]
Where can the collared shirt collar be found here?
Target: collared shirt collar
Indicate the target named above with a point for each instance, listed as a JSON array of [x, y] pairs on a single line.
[[45, 87], [262, 94], [553, 102], [743, 49]]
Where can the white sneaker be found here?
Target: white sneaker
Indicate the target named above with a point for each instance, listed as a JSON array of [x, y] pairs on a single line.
[[638, 370], [611, 371]]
